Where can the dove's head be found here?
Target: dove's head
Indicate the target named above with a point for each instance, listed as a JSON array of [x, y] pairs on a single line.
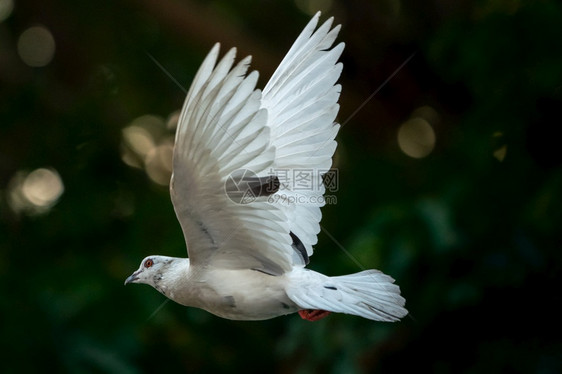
[[158, 271]]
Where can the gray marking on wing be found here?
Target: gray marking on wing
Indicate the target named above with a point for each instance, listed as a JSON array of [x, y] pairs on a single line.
[[265, 272], [299, 247], [207, 233], [243, 184], [265, 186]]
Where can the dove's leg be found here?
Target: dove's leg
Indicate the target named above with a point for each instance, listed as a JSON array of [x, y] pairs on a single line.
[[313, 315]]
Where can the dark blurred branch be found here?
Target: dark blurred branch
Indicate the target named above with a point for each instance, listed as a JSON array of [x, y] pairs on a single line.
[[202, 26]]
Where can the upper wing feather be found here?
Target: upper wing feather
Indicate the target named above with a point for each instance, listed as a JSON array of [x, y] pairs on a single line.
[[301, 101], [222, 129]]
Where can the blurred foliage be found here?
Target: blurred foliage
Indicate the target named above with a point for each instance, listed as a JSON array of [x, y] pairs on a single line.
[[471, 232]]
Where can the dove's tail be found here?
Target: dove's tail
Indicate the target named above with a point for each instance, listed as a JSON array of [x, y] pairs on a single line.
[[369, 294]]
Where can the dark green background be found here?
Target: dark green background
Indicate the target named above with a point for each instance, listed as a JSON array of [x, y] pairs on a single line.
[[473, 242]]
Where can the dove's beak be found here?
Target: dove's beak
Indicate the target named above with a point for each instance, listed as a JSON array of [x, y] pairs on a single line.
[[132, 278]]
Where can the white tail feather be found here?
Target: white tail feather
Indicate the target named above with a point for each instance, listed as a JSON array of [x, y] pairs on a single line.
[[369, 294]]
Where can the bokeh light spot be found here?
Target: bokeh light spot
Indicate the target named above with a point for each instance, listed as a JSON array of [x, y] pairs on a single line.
[[147, 144], [416, 138], [36, 46], [6, 8], [36, 192], [138, 139], [42, 187], [172, 122], [500, 153], [500, 147], [159, 164]]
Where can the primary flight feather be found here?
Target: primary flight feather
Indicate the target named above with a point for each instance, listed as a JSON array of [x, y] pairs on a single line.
[[249, 225]]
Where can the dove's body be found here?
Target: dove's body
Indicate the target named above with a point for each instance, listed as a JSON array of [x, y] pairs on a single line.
[[223, 292], [247, 258], [246, 294], [231, 300]]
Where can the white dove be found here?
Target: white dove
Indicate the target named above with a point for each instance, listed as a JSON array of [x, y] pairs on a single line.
[[247, 257]]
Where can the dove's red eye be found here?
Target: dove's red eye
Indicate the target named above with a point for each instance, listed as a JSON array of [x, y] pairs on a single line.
[[148, 263]]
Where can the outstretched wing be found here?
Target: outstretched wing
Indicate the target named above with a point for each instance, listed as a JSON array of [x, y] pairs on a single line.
[[230, 138], [221, 130], [301, 101]]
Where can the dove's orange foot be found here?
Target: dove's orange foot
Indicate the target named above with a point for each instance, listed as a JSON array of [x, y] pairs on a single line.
[[313, 315]]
